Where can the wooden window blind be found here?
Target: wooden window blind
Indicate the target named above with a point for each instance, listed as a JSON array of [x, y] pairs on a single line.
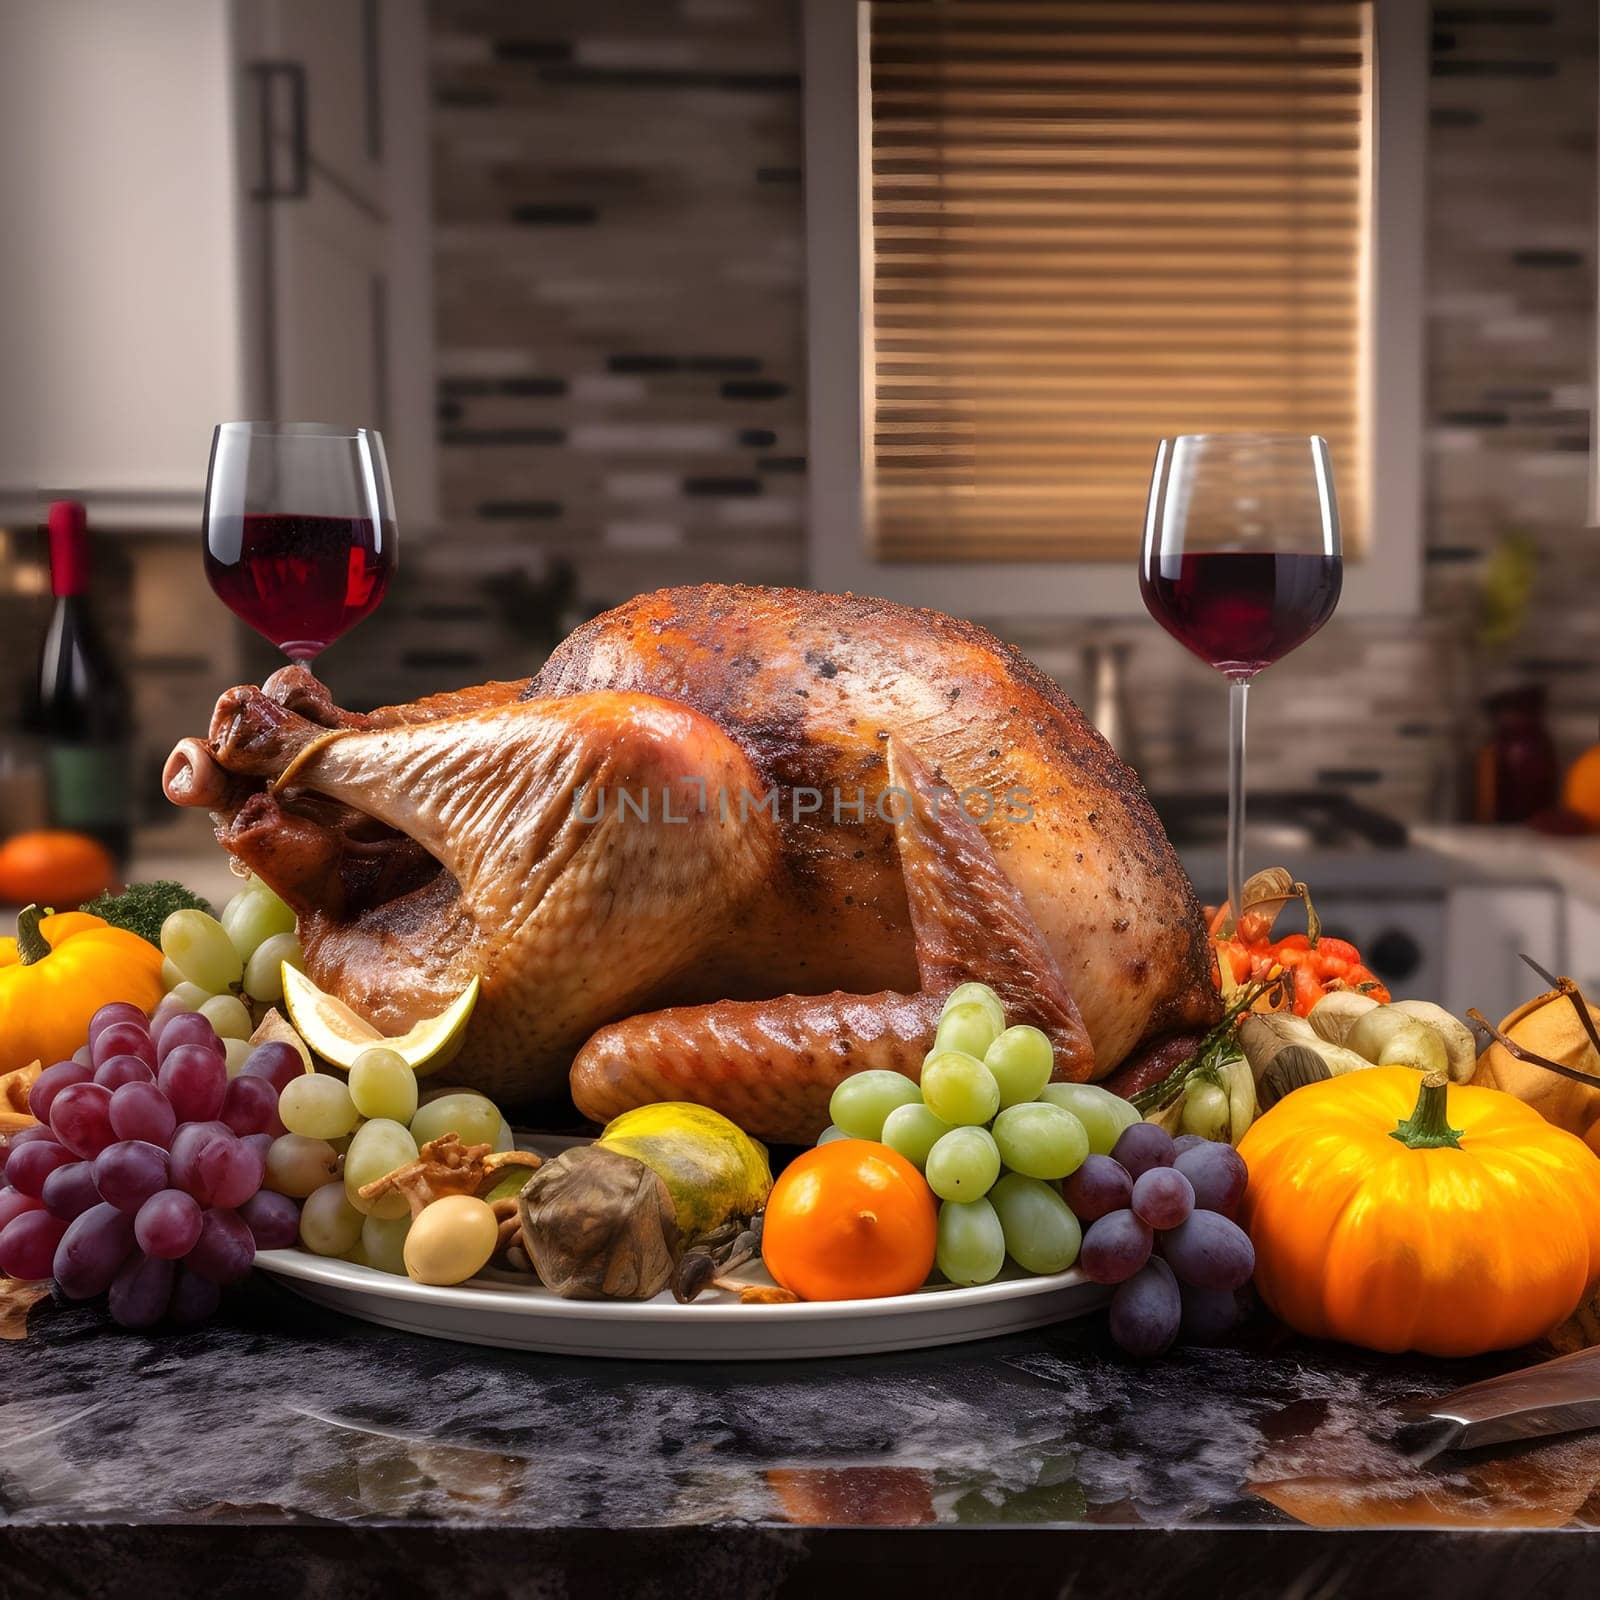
[[1094, 225]]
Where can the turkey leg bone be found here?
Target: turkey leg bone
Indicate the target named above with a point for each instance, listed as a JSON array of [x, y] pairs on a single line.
[[771, 1065]]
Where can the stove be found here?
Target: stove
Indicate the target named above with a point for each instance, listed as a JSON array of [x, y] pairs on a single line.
[[1290, 819]]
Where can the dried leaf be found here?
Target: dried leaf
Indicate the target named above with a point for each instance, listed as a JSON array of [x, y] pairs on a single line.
[[18, 1296], [757, 1294], [1267, 892], [14, 1088], [497, 1165], [1579, 1332], [600, 1225], [277, 1027]]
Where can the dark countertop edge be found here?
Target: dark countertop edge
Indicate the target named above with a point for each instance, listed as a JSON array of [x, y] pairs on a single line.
[[382, 1560], [89, 1527]]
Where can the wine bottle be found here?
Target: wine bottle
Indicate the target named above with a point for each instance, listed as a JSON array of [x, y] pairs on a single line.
[[81, 711]]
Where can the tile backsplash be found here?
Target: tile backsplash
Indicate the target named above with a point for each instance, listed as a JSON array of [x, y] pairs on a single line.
[[620, 320], [620, 327], [619, 274], [620, 286]]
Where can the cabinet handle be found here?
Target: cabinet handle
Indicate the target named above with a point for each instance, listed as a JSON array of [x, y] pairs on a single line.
[[298, 186]]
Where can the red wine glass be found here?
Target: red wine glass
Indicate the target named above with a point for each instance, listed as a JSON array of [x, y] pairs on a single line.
[[299, 524], [1241, 564]]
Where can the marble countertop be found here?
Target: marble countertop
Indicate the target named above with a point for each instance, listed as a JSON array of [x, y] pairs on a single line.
[[1518, 855], [285, 1433]]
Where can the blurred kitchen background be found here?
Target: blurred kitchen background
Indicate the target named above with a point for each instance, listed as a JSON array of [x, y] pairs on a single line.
[[647, 292]]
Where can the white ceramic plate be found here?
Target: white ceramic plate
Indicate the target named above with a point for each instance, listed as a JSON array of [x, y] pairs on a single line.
[[499, 1309], [509, 1310]]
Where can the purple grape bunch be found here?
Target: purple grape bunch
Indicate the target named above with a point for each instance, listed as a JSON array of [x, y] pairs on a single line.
[[1158, 1223], [143, 1178]]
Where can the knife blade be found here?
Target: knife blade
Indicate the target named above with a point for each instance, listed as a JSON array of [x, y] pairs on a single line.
[[1559, 1396]]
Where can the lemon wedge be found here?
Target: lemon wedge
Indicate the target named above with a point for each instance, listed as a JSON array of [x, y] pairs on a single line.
[[338, 1035]]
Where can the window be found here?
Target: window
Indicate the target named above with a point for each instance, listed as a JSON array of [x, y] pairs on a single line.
[[1043, 234]]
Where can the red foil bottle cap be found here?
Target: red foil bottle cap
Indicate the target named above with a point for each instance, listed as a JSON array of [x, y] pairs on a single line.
[[69, 547]]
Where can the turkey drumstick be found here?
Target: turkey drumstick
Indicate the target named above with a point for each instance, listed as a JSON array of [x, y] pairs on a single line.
[[771, 1065]]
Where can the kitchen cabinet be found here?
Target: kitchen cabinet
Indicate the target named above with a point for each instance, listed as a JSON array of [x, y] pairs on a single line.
[[214, 211], [119, 253], [1489, 927], [336, 53]]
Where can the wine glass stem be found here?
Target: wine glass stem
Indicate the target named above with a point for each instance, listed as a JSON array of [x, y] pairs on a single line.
[[1238, 698]]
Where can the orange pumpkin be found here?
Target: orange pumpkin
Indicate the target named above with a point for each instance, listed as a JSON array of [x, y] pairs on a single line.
[[850, 1220], [1405, 1213], [54, 868], [1581, 791], [57, 972]]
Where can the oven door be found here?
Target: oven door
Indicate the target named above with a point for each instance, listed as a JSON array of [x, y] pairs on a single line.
[[1401, 937]]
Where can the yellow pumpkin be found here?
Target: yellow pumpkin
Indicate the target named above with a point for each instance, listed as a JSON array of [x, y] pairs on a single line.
[[57, 972], [1405, 1213]]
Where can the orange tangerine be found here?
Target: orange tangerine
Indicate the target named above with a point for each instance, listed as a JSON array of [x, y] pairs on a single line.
[[850, 1220]]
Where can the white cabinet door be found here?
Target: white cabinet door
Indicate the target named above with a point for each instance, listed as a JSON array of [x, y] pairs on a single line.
[[328, 355], [1489, 927], [149, 284], [120, 341]]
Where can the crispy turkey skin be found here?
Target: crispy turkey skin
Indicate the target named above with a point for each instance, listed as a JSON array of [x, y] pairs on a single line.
[[487, 832]]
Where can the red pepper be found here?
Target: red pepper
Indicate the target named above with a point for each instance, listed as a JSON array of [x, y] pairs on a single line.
[[1310, 969], [1310, 966]]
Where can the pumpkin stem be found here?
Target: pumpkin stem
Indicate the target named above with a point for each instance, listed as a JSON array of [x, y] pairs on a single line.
[[1427, 1127], [32, 945]]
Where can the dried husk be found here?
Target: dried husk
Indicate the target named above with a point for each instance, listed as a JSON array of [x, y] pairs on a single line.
[[14, 1090], [1267, 892], [277, 1027], [599, 1225], [1270, 890], [1548, 1025]]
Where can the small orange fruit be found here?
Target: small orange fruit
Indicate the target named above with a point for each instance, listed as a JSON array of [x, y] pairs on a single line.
[[52, 867], [850, 1220], [1581, 793]]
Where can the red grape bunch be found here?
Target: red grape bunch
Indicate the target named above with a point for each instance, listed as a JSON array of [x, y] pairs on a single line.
[[1158, 1222], [143, 1177]]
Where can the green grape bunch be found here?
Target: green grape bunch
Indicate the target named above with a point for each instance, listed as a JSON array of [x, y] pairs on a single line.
[[993, 1136]]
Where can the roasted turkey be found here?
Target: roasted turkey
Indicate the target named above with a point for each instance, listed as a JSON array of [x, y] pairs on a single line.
[[730, 845]]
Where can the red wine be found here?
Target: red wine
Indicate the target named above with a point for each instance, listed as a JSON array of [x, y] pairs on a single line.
[[299, 581], [1240, 610], [80, 707]]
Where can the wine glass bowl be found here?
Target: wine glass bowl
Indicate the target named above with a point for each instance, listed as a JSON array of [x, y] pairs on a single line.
[[1241, 558], [300, 537], [1241, 563]]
